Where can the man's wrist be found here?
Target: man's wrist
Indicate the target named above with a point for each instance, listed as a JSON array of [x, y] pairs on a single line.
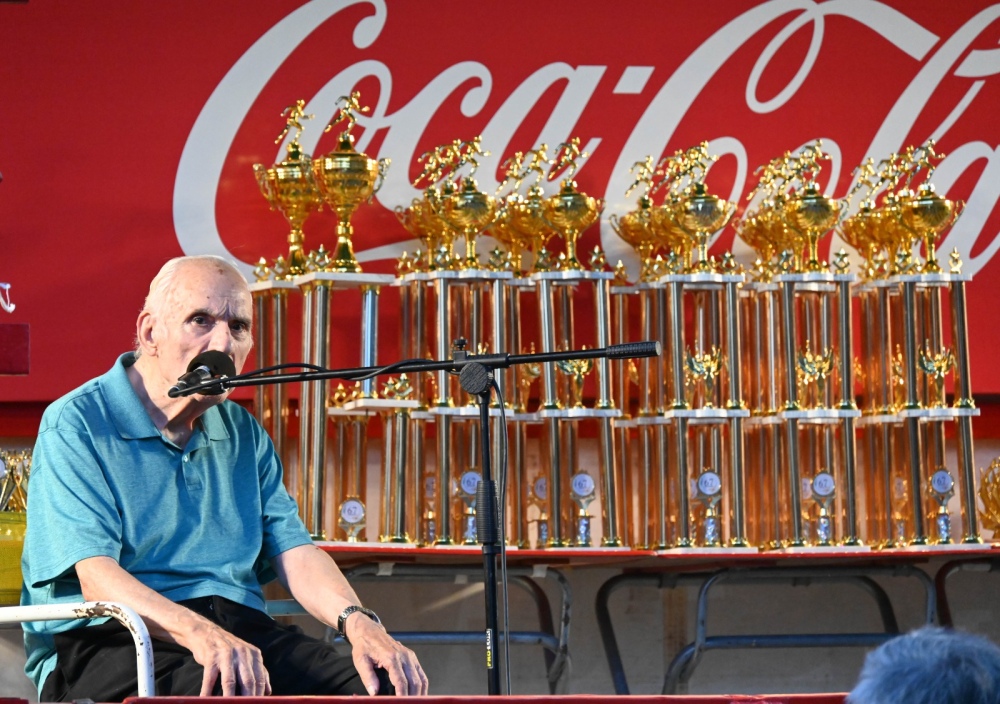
[[342, 620]]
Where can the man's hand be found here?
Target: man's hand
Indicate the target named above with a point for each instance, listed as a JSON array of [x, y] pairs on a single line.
[[235, 664], [372, 647], [317, 583]]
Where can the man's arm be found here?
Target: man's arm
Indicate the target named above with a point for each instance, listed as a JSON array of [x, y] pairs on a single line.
[[316, 582], [237, 664]]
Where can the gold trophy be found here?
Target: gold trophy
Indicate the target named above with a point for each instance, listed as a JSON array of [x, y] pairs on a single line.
[[814, 369], [290, 187], [345, 179], [468, 211], [420, 221], [924, 213], [577, 370], [636, 229], [936, 367], [699, 214], [824, 490], [523, 216], [706, 367], [814, 215], [709, 492], [16, 466], [989, 495], [529, 372], [582, 491], [570, 212], [942, 488]]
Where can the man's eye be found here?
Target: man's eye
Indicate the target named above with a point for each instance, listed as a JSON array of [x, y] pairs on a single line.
[[239, 327], [199, 320]]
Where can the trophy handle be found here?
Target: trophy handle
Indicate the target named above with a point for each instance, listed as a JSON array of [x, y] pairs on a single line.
[[383, 167], [264, 184], [957, 211], [613, 219]]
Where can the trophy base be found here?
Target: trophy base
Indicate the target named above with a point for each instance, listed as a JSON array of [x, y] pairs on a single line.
[[821, 549], [944, 547], [719, 551]]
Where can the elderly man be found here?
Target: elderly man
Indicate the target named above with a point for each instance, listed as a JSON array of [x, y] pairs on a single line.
[[175, 507]]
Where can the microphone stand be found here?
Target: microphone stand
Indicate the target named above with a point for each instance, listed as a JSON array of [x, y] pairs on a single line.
[[475, 376]]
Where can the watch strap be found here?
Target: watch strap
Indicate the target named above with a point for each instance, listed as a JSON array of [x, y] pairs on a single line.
[[342, 619]]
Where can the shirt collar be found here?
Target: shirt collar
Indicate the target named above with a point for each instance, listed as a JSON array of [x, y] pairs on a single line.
[[129, 415]]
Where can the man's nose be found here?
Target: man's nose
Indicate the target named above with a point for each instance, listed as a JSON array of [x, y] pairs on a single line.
[[222, 337]]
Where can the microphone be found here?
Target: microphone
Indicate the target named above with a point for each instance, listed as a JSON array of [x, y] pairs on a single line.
[[207, 365]]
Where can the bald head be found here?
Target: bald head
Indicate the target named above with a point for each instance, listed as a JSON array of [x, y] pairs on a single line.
[[164, 281]]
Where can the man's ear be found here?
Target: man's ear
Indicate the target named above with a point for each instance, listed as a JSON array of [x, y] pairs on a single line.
[[146, 333]]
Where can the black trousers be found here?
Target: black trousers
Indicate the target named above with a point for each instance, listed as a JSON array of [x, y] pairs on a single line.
[[99, 662]]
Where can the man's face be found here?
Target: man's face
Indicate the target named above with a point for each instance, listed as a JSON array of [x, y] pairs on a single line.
[[208, 308]]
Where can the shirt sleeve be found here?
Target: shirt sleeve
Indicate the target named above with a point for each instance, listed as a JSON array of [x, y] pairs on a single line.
[[69, 497], [283, 527]]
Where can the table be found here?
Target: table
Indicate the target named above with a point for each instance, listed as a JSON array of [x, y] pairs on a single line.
[[457, 565], [705, 569], [834, 566]]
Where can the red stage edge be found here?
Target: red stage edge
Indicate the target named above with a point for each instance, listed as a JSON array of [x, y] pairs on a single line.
[[831, 698]]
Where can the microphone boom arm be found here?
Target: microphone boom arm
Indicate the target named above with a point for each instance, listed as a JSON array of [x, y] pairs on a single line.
[[628, 350]]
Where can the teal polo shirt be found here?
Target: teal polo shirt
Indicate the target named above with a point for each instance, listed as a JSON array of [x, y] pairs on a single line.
[[188, 523]]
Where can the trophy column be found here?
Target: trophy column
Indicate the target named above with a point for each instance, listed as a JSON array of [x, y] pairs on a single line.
[[818, 406], [271, 402], [351, 464], [908, 355], [571, 487], [705, 357]]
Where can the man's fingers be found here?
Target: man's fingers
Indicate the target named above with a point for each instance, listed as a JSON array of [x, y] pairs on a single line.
[[366, 671], [415, 677], [208, 681], [406, 674]]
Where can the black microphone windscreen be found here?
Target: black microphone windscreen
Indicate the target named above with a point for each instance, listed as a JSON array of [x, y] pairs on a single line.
[[217, 363], [633, 350]]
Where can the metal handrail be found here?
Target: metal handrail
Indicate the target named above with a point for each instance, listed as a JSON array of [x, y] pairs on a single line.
[[95, 609]]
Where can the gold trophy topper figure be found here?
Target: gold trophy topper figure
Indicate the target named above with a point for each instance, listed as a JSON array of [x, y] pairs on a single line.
[[564, 162], [350, 106], [294, 115]]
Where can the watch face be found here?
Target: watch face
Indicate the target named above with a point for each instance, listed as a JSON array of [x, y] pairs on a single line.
[[352, 511], [469, 482], [582, 484]]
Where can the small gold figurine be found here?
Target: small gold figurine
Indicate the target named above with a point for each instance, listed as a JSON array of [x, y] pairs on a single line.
[[706, 366]]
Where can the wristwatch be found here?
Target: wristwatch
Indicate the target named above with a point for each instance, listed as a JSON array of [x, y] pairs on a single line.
[[342, 619]]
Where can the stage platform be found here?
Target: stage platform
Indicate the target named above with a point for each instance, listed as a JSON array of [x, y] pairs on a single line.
[[522, 699]]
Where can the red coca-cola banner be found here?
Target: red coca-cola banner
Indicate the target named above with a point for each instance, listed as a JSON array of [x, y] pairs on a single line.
[[129, 131]]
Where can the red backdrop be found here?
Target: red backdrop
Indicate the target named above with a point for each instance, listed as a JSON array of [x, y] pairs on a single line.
[[128, 131]]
